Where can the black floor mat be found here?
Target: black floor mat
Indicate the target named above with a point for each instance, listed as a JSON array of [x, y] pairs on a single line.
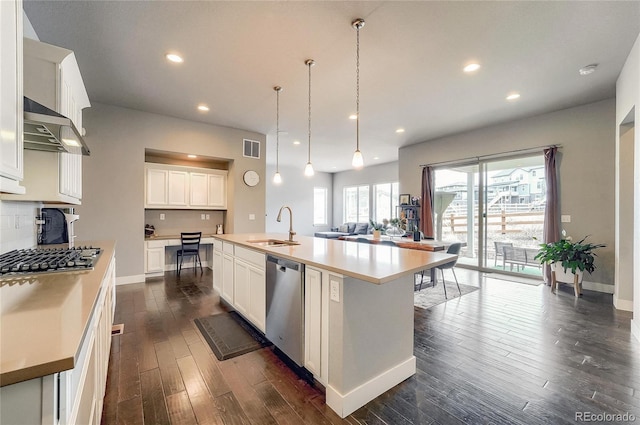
[[229, 335]]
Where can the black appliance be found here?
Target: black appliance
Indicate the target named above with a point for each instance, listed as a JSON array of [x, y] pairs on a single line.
[[48, 260], [56, 226]]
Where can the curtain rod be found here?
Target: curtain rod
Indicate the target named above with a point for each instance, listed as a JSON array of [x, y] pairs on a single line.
[[493, 156]]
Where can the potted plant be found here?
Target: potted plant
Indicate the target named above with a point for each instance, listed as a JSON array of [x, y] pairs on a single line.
[[569, 260], [377, 228]]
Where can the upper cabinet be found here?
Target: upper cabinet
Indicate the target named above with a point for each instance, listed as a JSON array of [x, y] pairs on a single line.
[[52, 78], [177, 187], [11, 145]]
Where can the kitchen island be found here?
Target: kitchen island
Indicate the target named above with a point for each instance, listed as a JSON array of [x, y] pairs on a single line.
[[55, 342], [358, 308]]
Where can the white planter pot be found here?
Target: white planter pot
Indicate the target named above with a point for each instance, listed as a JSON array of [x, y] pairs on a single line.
[[566, 277]]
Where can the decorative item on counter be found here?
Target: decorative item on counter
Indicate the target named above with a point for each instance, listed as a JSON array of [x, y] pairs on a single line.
[[149, 230], [415, 201], [377, 229], [219, 229], [404, 199]]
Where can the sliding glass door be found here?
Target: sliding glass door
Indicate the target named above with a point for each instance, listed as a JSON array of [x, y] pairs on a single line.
[[496, 208]]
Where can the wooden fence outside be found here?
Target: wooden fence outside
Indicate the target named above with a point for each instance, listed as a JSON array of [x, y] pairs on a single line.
[[503, 222]]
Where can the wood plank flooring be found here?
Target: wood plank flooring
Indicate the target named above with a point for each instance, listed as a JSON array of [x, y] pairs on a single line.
[[509, 353]]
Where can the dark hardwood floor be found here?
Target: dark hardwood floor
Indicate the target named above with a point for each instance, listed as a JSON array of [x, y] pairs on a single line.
[[509, 353]]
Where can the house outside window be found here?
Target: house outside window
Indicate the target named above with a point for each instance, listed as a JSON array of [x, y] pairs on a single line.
[[319, 206], [356, 204]]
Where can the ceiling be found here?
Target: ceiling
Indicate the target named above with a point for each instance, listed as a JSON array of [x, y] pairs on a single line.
[[412, 55]]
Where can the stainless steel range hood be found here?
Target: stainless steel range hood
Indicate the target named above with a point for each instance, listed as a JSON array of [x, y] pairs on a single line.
[[47, 130]]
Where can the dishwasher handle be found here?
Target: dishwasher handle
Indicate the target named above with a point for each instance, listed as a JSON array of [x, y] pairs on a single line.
[[283, 263]]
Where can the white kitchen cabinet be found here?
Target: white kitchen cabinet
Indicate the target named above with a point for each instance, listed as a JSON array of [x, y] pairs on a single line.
[[156, 187], [217, 191], [178, 192], [11, 114], [217, 266], [51, 77], [179, 187], [153, 258], [257, 313], [241, 286], [316, 321], [227, 275]]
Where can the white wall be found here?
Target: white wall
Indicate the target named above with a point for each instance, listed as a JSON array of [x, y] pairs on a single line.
[[18, 225], [113, 176], [586, 163], [371, 175], [296, 191], [628, 98]]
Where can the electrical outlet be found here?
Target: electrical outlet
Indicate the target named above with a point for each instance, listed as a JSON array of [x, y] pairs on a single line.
[[202, 216], [161, 216], [335, 291], [565, 218], [252, 216], [208, 216], [17, 221]]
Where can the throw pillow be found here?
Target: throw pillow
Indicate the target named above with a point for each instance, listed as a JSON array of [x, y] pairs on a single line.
[[352, 227], [361, 228], [343, 229]]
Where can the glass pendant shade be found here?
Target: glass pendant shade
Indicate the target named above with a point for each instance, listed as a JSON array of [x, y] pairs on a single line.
[[358, 161], [277, 179], [308, 170]]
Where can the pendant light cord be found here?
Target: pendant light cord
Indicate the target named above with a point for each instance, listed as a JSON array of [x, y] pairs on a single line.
[[277, 130], [309, 63], [357, 88]]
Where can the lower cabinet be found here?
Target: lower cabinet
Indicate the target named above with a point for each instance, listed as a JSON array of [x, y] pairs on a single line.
[[154, 257], [316, 321], [239, 276]]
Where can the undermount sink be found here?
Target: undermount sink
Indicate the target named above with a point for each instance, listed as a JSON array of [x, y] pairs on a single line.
[[273, 242]]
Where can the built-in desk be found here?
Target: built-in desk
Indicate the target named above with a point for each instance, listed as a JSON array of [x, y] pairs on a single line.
[[158, 259]]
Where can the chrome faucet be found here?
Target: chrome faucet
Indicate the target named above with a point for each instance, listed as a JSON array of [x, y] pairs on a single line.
[[279, 219]]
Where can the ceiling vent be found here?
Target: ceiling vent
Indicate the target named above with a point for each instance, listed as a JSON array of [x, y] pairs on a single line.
[[251, 149]]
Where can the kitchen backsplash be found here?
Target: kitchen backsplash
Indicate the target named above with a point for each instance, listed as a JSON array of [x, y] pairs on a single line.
[[176, 221], [17, 225]]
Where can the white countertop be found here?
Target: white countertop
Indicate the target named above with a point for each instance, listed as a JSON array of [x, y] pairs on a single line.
[[372, 263]]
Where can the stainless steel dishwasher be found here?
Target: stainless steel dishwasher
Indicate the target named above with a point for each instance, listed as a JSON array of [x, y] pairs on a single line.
[[285, 307]]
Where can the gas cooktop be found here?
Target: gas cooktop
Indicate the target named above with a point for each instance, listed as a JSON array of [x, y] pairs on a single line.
[[48, 260]]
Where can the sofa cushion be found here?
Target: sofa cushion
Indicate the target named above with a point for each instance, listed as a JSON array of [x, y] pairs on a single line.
[[361, 228], [343, 229], [351, 226]]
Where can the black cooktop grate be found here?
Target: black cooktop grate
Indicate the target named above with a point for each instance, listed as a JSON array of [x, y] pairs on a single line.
[[24, 261]]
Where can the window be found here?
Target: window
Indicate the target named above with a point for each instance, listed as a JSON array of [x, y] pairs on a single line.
[[385, 196], [356, 204], [319, 206]]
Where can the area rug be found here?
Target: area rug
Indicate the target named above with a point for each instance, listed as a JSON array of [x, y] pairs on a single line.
[[429, 296], [229, 335]]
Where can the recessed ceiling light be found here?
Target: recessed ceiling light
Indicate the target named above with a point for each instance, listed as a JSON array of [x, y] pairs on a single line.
[[513, 96], [203, 108], [296, 142], [589, 69], [400, 130], [353, 117], [471, 67], [192, 156], [174, 58]]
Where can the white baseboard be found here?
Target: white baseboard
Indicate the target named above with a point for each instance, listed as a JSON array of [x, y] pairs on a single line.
[[635, 328], [598, 287], [620, 304], [345, 404], [125, 280]]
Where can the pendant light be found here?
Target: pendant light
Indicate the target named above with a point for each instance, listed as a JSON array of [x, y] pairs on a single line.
[[308, 169], [277, 179], [358, 161]]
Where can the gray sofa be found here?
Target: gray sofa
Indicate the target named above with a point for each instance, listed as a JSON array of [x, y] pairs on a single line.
[[347, 229]]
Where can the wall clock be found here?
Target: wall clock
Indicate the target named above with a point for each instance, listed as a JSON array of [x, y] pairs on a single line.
[[251, 178]]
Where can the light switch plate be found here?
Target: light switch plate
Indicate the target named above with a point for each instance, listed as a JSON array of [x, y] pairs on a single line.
[[565, 218], [335, 291], [252, 216], [161, 216], [202, 216], [208, 216]]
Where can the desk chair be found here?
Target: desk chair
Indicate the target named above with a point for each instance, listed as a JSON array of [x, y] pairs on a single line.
[[190, 246], [453, 249]]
